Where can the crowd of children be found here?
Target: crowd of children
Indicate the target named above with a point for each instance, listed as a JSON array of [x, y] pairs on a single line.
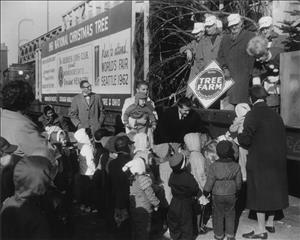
[[129, 182]]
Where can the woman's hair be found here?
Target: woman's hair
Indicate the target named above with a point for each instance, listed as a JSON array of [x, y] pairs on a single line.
[[17, 95], [257, 46]]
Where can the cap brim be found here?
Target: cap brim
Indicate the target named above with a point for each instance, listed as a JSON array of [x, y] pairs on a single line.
[[233, 23], [11, 149], [264, 26], [196, 31]]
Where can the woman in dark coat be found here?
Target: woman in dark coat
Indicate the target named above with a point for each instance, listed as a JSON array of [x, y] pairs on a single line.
[[264, 137]]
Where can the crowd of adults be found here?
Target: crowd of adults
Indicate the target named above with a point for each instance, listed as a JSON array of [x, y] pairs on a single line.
[[166, 166]]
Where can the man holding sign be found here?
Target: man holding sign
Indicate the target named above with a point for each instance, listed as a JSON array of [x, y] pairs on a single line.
[[235, 61]]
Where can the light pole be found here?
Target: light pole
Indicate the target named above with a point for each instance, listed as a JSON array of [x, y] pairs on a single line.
[[19, 26]]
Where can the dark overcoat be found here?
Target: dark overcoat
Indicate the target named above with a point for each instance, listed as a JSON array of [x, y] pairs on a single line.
[[264, 137], [172, 129], [84, 115], [233, 55]]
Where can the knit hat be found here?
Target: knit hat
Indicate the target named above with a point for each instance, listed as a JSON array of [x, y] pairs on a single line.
[[136, 166], [241, 109], [224, 149], [176, 159]]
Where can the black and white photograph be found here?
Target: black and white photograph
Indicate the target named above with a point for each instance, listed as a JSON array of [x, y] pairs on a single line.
[[150, 120]]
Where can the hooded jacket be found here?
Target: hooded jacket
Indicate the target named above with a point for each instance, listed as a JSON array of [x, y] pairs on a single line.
[[86, 157], [21, 214], [196, 160], [32, 176], [224, 177]]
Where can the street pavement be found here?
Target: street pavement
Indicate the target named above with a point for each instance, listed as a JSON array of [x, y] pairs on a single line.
[[92, 226]]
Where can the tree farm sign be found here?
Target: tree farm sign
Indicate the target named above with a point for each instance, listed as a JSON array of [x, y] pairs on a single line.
[[210, 84]]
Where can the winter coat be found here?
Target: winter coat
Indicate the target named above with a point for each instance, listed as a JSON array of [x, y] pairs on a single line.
[[84, 115], [142, 194], [21, 214], [119, 180], [264, 137], [183, 185], [224, 177], [196, 159], [204, 52], [86, 156], [21, 131], [233, 55]]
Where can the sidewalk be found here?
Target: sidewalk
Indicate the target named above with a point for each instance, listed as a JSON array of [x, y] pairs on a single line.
[[286, 229]]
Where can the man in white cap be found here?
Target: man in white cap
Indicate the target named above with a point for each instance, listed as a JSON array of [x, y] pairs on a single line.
[[266, 29], [235, 61], [193, 53], [208, 46]]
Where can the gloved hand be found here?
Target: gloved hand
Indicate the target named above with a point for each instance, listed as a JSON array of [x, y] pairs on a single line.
[[189, 55]]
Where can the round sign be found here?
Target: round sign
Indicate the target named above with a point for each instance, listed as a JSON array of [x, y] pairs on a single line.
[[210, 83]]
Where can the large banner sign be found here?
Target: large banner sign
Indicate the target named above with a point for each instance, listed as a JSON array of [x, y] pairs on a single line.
[[210, 84], [98, 50]]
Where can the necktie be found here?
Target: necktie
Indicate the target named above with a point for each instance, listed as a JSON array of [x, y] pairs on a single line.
[[87, 98]]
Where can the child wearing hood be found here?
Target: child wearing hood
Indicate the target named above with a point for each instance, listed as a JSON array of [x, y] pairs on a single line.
[[142, 198], [141, 112], [224, 181], [184, 189], [197, 166], [241, 110], [84, 188], [21, 214]]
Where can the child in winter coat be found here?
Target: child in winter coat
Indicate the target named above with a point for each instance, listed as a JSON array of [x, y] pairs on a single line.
[[85, 193], [197, 166], [142, 198], [241, 110], [223, 180], [141, 113], [184, 189]]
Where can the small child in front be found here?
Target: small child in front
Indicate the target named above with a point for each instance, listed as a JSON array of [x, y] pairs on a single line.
[[224, 180], [142, 198], [184, 188]]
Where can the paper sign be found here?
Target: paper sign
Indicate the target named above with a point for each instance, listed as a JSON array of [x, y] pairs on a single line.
[[210, 84]]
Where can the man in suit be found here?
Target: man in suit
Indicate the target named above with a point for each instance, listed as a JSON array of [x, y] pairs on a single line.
[[180, 120], [87, 109]]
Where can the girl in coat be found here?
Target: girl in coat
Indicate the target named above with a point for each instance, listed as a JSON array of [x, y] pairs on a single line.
[[86, 170], [197, 166], [142, 198], [184, 189]]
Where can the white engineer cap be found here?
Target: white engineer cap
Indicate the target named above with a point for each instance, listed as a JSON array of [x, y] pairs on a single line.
[[210, 20], [233, 19], [198, 27], [265, 22]]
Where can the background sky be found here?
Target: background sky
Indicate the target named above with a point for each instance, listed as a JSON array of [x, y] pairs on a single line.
[[14, 11]]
